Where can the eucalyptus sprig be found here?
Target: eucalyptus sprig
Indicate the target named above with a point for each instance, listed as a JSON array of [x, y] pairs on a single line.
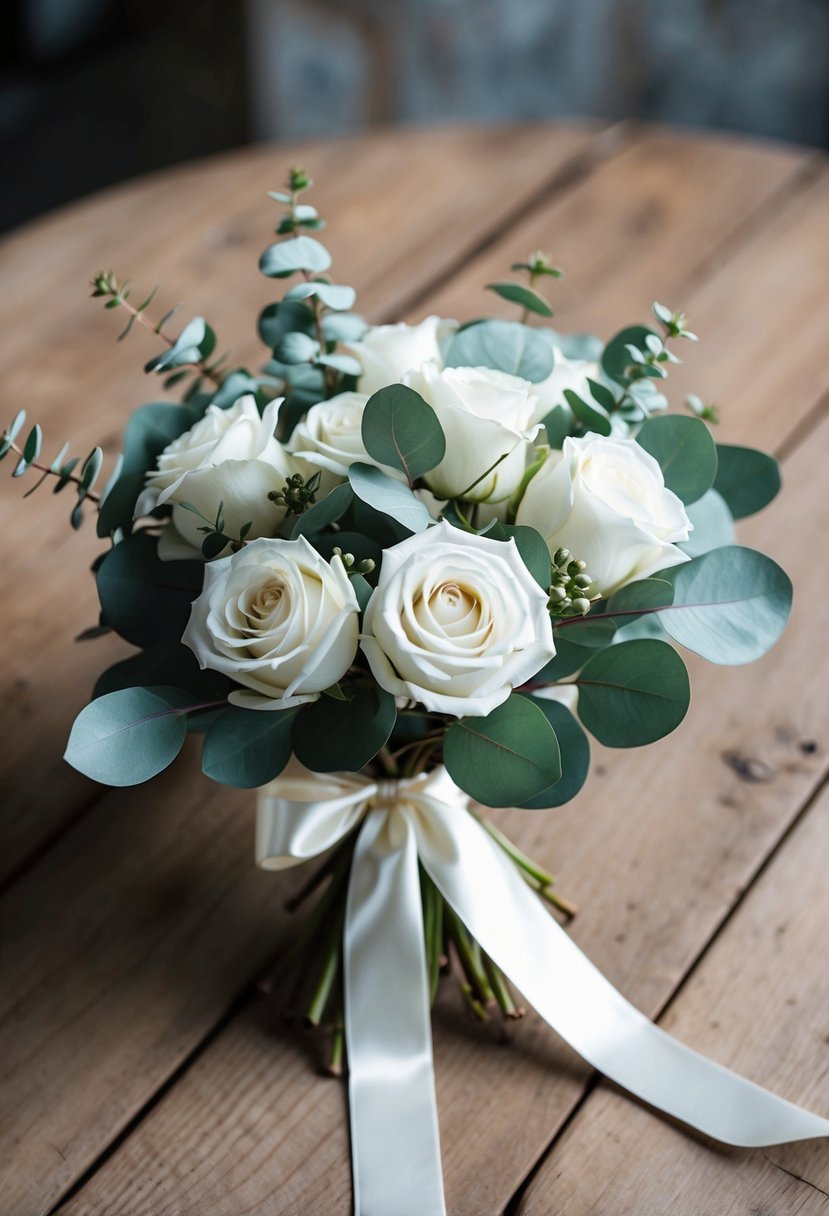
[[186, 354], [63, 470], [538, 265]]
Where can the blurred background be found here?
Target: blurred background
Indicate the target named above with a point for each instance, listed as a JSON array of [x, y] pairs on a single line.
[[94, 91]]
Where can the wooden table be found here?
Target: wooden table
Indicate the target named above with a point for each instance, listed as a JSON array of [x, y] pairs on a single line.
[[145, 1072]]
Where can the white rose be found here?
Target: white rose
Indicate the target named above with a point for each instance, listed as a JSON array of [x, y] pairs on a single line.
[[278, 618], [330, 438], [484, 414], [230, 456], [456, 622], [567, 373], [606, 501], [387, 352]]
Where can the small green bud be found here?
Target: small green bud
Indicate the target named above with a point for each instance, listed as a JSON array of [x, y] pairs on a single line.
[[581, 605], [561, 557]]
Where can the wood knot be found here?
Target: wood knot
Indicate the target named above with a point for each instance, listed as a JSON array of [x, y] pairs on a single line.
[[748, 768]]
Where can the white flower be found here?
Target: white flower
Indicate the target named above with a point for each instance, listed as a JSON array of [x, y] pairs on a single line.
[[278, 618], [606, 501], [456, 622], [329, 438], [230, 456], [484, 414], [387, 352], [567, 373]]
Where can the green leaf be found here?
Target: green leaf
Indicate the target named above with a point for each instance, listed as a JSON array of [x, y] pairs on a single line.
[[526, 297], [602, 395], [400, 430], [730, 605], [347, 365], [195, 342], [325, 512], [505, 346], [685, 452], [333, 295], [587, 416], [287, 257], [633, 693], [127, 737], [343, 327], [246, 748], [575, 756], [574, 642], [388, 496], [175, 666], [558, 425], [616, 357], [713, 525], [332, 736], [643, 595], [296, 347], [145, 600], [507, 757], [747, 479], [284, 318], [531, 545]]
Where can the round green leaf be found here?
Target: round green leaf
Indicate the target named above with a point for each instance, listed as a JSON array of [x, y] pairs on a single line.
[[730, 605], [282, 318], [531, 545], [126, 737], [713, 525], [388, 496], [685, 452], [575, 756], [633, 693], [333, 736], [175, 666], [325, 512], [246, 748], [747, 479], [300, 253], [505, 346], [507, 757], [400, 430], [615, 359], [145, 600]]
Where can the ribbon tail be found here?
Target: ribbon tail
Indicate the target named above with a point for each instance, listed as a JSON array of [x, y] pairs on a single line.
[[394, 1128], [572, 995]]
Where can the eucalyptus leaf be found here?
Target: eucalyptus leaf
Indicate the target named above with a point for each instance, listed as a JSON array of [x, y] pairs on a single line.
[[526, 297], [325, 512], [331, 736], [713, 525], [285, 258], [531, 545], [333, 295], [505, 346], [633, 693], [574, 747], [246, 748], [684, 450], [616, 357], [388, 496], [730, 605], [145, 600], [748, 480], [590, 418], [400, 430], [174, 666], [505, 758], [283, 318], [126, 737]]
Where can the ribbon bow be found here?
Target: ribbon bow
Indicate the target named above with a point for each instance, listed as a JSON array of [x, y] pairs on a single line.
[[394, 1127]]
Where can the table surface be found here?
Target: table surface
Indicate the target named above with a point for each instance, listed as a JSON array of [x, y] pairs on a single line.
[[146, 1069]]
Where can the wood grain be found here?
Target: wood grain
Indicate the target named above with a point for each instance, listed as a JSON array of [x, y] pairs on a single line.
[[199, 229], [756, 1003]]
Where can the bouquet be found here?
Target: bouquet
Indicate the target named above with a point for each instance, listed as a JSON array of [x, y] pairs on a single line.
[[398, 575]]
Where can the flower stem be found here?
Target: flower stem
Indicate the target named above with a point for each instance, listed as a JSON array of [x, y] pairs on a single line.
[[501, 990], [470, 955]]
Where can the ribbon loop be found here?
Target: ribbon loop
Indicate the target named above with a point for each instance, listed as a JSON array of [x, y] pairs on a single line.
[[394, 1129]]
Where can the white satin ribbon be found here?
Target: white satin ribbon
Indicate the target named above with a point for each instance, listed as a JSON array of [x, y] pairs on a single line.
[[394, 1129]]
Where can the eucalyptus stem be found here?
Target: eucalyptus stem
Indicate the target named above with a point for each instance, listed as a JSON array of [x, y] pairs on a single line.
[[501, 990], [329, 972], [50, 472], [470, 955]]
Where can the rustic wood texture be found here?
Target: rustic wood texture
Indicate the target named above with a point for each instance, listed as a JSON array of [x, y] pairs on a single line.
[[142, 1072]]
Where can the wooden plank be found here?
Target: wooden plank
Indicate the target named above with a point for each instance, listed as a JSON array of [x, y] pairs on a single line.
[[94, 1112], [757, 1003], [200, 229], [656, 852]]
